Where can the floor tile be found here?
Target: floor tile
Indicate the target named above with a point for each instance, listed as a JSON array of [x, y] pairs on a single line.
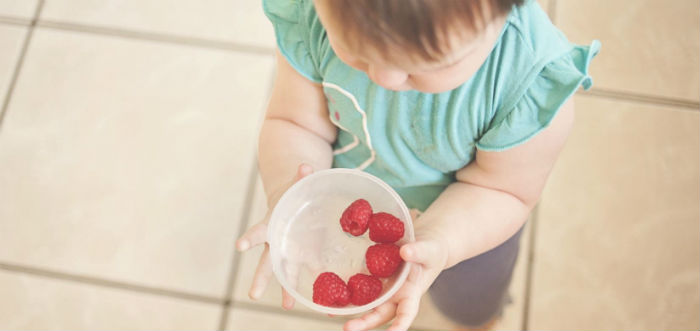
[[129, 160], [18, 8], [650, 47], [617, 236], [222, 20], [11, 40], [246, 319], [38, 303], [430, 318]]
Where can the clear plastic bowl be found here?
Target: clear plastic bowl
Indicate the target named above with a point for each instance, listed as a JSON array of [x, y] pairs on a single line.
[[306, 238]]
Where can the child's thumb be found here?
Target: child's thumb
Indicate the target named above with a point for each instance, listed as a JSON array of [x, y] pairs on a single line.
[[429, 253], [303, 170]]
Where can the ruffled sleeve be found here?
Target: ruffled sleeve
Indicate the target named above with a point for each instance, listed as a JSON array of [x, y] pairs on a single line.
[[289, 19], [539, 100]]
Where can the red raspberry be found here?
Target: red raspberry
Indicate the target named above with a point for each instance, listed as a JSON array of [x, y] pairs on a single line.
[[385, 228], [330, 290], [356, 217], [364, 289], [383, 259]]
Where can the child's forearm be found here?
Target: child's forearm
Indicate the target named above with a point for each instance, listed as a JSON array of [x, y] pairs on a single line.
[[296, 130], [282, 147], [473, 219], [494, 194]]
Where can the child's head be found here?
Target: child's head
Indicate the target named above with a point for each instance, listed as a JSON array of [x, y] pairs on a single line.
[[426, 45]]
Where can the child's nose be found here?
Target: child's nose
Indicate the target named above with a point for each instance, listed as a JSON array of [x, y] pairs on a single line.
[[387, 78]]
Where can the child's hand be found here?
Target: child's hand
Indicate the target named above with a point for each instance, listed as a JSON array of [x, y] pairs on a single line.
[[257, 235], [428, 255]]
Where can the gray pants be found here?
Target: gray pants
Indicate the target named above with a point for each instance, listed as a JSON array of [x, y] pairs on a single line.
[[474, 291]]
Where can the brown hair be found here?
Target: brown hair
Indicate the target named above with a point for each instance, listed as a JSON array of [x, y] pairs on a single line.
[[419, 27]]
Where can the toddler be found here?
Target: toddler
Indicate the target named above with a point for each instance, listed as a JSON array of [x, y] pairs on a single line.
[[462, 106]]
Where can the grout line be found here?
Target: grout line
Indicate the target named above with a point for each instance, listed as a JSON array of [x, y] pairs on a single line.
[[530, 268], [626, 96], [245, 222], [15, 21], [242, 227], [107, 283], [20, 62], [158, 37], [294, 313]]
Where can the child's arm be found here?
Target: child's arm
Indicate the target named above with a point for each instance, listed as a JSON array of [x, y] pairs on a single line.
[[296, 129], [494, 195], [295, 139], [487, 205]]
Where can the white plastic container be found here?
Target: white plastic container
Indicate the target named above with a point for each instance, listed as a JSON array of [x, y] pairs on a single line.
[[306, 238]]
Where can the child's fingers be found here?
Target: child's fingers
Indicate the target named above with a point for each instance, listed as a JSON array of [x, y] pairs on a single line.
[[415, 213], [414, 277], [287, 300], [292, 272], [427, 253], [262, 275], [406, 312], [254, 236], [379, 316], [258, 233], [303, 170]]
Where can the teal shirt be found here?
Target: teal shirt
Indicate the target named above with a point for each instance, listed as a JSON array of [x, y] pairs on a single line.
[[416, 141]]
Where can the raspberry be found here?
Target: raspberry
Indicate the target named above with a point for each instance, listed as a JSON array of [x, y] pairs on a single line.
[[364, 289], [330, 290], [383, 259], [385, 228], [356, 217]]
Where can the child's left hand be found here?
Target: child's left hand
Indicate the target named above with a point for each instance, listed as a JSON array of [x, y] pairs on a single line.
[[428, 256]]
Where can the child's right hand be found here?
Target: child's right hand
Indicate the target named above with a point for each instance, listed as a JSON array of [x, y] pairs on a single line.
[[257, 235]]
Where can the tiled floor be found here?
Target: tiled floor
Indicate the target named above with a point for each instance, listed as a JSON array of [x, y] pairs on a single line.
[[127, 138]]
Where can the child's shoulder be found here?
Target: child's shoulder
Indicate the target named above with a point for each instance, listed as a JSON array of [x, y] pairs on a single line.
[[533, 70], [299, 34], [292, 11], [531, 25]]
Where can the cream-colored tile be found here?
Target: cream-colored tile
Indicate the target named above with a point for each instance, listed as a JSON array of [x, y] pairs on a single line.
[[246, 319], [617, 238], [650, 47], [129, 160], [18, 8], [11, 39], [38, 303], [222, 20], [430, 318]]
